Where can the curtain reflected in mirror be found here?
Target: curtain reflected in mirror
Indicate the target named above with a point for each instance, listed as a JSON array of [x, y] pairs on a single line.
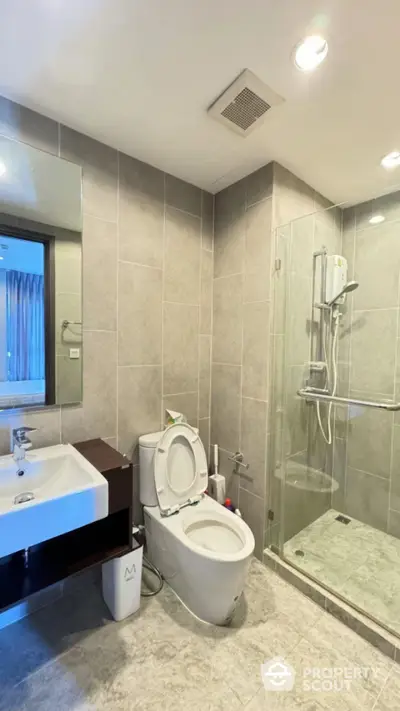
[[22, 322]]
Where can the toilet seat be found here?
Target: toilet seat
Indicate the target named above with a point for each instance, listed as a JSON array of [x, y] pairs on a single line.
[[233, 542], [214, 533], [180, 468]]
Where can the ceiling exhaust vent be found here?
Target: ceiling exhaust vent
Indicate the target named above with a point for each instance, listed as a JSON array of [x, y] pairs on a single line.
[[244, 104]]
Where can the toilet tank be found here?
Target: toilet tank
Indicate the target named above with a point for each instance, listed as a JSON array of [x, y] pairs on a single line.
[[147, 448]]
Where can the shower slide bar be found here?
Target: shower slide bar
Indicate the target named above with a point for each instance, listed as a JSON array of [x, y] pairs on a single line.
[[310, 394]]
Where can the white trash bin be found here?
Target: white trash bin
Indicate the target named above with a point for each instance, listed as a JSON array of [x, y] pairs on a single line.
[[121, 582]]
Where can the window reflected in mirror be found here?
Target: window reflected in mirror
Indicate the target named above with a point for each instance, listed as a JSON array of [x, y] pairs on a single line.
[[22, 321]]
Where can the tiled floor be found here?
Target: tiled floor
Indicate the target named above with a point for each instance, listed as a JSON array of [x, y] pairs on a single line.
[[70, 656], [355, 560]]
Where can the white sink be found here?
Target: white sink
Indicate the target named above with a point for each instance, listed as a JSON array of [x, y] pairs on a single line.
[[59, 492]]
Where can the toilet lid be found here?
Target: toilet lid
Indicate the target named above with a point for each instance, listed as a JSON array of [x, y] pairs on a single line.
[[180, 467]]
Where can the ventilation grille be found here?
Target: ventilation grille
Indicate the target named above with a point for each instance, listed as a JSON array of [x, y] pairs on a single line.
[[244, 104], [245, 109]]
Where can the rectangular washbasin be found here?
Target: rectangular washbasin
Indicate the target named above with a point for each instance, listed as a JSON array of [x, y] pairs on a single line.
[[59, 492]]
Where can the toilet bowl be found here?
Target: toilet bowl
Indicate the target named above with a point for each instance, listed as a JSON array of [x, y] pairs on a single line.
[[202, 549]]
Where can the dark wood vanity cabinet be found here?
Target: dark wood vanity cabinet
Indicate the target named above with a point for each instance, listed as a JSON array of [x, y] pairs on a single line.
[[83, 548]]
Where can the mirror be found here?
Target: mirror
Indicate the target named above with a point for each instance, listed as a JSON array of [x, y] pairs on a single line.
[[40, 278]]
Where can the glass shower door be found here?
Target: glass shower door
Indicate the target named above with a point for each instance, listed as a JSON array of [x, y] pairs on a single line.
[[335, 507]]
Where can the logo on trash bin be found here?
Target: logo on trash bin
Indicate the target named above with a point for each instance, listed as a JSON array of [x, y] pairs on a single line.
[[130, 573], [277, 675]]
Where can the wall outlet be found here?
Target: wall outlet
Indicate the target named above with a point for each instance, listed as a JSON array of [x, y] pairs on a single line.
[[74, 353]]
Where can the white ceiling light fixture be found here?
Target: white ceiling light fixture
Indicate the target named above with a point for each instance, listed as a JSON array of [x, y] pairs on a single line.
[[310, 53], [376, 219], [392, 160]]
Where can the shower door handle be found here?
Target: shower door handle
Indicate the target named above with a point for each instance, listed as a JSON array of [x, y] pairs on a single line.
[[315, 396]]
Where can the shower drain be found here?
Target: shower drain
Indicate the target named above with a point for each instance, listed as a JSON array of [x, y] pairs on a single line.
[[300, 553]]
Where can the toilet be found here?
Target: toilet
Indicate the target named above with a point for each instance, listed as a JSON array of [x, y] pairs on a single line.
[[202, 549]]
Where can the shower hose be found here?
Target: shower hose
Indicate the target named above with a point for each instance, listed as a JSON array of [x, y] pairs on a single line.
[[335, 316]]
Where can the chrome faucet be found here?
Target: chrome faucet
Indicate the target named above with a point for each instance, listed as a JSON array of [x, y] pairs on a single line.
[[21, 443]]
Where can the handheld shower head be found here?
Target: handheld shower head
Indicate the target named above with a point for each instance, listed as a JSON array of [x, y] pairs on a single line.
[[350, 286]]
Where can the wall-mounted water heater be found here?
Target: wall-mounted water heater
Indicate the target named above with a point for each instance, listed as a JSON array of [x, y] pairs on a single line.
[[336, 277]]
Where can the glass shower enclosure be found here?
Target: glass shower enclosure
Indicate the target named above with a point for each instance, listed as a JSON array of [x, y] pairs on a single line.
[[334, 472]]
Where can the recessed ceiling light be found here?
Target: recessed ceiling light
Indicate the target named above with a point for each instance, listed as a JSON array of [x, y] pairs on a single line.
[[3, 168], [376, 219], [392, 160], [310, 53]]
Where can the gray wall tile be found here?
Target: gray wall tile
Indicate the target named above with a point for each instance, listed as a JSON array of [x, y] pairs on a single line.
[[256, 334], [258, 246], [373, 348], [253, 445], [97, 416], [367, 498], [139, 315], [229, 230], [141, 212], [182, 257], [259, 184], [377, 267], [180, 348], [139, 406], [225, 406], [204, 432], [388, 206], [369, 440], [182, 195], [141, 229], [298, 319], [204, 375], [99, 274], [293, 197], [206, 292], [302, 245], [100, 172], [207, 220], [297, 413], [339, 474], [395, 471], [227, 319], [139, 180]]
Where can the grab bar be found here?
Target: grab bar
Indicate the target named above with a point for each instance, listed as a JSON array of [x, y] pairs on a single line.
[[319, 397]]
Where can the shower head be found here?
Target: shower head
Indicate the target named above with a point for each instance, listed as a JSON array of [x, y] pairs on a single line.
[[350, 286]]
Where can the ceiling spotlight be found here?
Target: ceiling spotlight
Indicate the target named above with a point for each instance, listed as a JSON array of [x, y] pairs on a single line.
[[392, 160], [376, 219], [309, 53]]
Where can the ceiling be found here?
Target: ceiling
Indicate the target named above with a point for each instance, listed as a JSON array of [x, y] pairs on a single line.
[[140, 74]]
